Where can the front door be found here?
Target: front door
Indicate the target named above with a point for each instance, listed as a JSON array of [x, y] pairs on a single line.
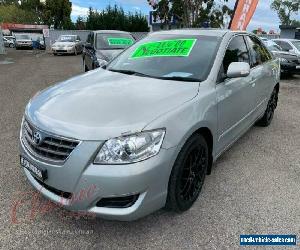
[[235, 96]]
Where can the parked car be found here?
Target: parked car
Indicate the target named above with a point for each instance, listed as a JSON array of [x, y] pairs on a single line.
[[143, 133], [102, 46], [23, 41], [68, 44], [289, 45], [290, 62], [8, 43]]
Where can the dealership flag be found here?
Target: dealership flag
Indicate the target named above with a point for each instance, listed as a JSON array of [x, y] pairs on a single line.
[[243, 12]]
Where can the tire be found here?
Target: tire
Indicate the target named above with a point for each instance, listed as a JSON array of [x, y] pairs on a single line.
[[188, 174], [55, 54], [85, 68], [266, 120]]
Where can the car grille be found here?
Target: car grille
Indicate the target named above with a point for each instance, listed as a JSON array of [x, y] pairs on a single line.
[[48, 147]]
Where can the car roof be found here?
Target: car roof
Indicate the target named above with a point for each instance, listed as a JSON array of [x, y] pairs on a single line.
[[67, 35], [204, 32], [111, 31], [285, 39]]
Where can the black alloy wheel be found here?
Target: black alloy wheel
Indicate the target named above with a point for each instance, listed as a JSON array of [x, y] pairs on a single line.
[[188, 174], [266, 120]]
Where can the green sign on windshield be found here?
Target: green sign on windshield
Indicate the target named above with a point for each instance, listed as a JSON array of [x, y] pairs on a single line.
[[119, 41], [177, 47]]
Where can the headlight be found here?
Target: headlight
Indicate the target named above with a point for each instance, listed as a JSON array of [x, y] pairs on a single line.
[[283, 60], [131, 148], [70, 45]]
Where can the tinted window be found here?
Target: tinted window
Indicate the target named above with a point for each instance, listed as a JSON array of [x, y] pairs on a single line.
[[196, 64], [285, 46], [259, 53], [236, 52]]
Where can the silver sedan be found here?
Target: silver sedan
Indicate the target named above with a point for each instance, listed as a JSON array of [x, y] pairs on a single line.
[[143, 133]]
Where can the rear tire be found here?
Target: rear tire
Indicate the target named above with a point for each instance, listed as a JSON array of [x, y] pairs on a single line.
[[188, 174], [85, 68], [266, 120]]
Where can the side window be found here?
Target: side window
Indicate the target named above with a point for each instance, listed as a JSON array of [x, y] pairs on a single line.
[[286, 46], [259, 54], [236, 52]]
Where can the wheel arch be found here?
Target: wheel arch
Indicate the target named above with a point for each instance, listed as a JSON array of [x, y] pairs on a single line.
[[208, 136]]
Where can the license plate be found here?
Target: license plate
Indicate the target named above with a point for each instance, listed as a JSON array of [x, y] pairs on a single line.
[[37, 172], [298, 67]]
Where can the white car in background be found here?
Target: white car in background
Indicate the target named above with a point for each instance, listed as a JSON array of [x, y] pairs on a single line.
[[289, 45], [67, 44]]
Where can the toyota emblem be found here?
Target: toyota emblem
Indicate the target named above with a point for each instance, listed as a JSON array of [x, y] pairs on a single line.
[[37, 138]]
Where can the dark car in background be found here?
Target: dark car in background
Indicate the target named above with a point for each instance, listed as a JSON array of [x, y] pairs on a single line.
[[289, 61], [102, 46]]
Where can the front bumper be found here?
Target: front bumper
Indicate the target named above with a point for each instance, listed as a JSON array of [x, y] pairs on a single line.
[[65, 50], [147, 179], [290, 68], [24, 45]]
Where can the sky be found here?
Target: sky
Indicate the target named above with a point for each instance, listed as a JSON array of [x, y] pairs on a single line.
[[264, 17]]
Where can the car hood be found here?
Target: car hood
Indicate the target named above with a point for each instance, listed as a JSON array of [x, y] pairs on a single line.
[[63, 44], [108, 55], [101, 104]]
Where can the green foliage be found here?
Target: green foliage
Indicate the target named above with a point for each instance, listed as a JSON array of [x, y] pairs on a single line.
[[52, 12], [285, 9], [114, 18], [13, 14], [192, 13]]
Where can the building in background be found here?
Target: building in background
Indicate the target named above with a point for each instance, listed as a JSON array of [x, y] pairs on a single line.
[[290, 32]]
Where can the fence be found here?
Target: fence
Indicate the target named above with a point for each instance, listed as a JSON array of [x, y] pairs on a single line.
[[83, 34]]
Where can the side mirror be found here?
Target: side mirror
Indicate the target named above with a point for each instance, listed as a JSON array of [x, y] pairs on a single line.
[[88, 46], [238, 69]]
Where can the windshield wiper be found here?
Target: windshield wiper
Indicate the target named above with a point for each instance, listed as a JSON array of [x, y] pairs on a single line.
[[180, 78], [129, 72], [173, 78]]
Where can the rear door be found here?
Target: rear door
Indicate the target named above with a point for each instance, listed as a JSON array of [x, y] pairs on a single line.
[[263, 73], [235, 96]]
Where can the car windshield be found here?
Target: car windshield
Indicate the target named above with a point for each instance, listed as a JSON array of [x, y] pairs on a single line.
[[274, 48], [173, 57], [296, 44], [67, 39], [22, 37], [113, 41]]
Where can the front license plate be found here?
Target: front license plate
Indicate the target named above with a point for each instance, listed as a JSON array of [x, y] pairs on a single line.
[[298, 67], [37, 172]]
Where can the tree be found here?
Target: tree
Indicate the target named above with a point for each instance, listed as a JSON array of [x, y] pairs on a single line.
[[58, 14], [114, 18], [285, 9], [191, 13], [13, 14], [80, 23]]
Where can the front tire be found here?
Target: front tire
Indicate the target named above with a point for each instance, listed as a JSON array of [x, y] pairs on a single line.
[[266, 120], [188, 174]]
